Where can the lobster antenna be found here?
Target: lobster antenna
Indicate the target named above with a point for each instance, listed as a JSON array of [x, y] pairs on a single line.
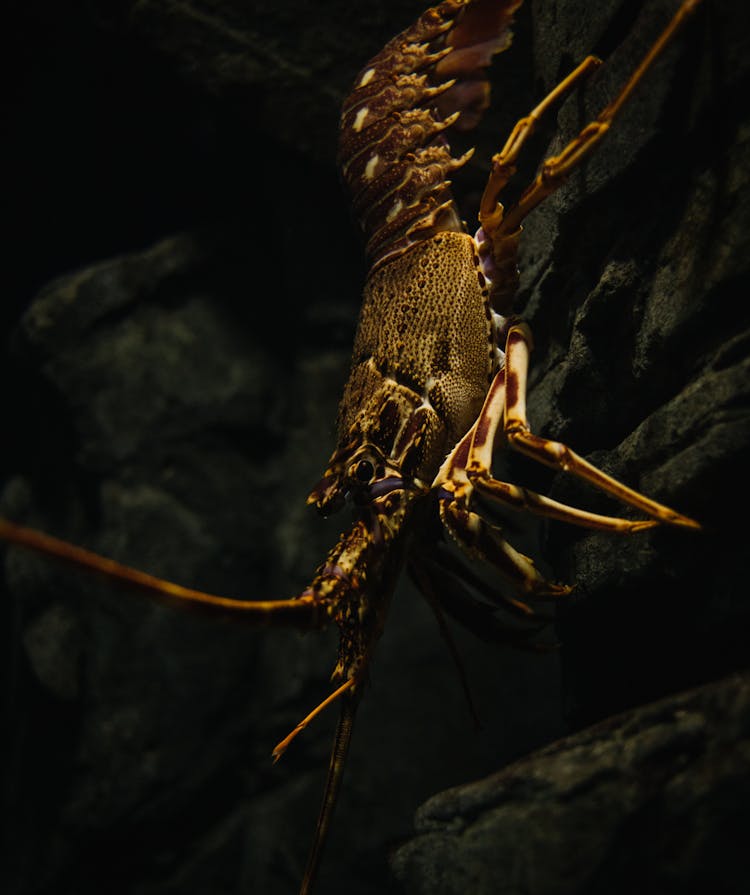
[[302, 612], [284, 744], [339, 752]]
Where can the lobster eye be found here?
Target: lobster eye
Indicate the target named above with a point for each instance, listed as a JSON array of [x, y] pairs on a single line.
[[364, 471]]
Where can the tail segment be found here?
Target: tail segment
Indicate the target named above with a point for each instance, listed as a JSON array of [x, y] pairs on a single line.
[[394, 157]]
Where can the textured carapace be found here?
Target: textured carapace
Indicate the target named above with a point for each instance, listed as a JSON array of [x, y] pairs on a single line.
[[411, 402]]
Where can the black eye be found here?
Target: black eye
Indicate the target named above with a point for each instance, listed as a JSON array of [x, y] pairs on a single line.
[[364, 471]]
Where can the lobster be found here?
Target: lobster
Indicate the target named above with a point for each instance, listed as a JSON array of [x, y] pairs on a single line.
[[439, 370]]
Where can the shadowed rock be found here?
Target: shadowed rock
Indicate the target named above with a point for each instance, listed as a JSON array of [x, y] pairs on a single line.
[[654, 800]]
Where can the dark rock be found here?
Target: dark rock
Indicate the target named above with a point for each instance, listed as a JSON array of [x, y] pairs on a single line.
[[654, 800], [171, 401]]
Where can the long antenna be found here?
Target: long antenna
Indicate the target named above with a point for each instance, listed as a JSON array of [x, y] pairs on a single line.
[[303, 612], [341, 740]]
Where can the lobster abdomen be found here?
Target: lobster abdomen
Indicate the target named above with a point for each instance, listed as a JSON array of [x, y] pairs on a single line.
[[393, 154]]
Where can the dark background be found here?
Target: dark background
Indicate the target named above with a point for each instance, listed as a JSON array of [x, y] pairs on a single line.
[[182, 284]]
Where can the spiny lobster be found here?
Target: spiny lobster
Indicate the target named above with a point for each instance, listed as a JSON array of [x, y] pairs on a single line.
[[439, 369]]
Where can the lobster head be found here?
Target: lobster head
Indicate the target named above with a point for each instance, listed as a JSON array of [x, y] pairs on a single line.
[[377, 470]]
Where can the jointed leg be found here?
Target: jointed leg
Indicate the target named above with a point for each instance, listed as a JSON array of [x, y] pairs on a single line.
[[498, 245], [504, 162], [558, 455], [524, 499], [469, 466], [484, 541], [556, 169], [478, 537]]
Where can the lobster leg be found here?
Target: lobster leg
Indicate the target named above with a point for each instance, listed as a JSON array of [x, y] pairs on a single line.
[[556, 169], [556, 454], [482, 540], [504, 162], [479, 538], [524, 499], [304, 612], [498, 246], [470, 469]]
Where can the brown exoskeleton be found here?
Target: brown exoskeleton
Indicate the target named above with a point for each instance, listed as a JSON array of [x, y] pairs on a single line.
[[439, 369]]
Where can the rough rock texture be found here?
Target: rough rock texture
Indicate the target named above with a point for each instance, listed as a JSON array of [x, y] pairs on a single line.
[[654, 800], [170, 397]]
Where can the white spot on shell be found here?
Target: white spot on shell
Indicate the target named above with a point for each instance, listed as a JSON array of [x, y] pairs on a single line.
[[395, 208], [360, 119], [430, 383], [370, 167], [366, 77]]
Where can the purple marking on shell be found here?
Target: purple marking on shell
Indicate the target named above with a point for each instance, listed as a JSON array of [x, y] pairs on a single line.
[[334, 571], [385, 486], [486, 259]]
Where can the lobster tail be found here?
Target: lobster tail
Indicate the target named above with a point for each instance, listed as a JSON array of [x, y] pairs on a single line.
[[394, 157]]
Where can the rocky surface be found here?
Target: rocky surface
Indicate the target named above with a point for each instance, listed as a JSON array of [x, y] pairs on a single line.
[[170, 398], [654, 800]]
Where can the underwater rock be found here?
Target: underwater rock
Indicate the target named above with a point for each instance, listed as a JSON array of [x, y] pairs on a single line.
[[654, 800]]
